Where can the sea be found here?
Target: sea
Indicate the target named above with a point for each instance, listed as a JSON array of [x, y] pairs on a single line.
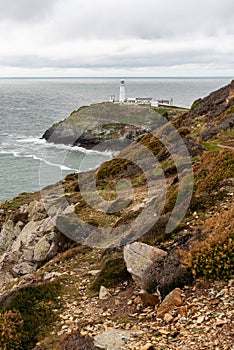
[[29, 106]]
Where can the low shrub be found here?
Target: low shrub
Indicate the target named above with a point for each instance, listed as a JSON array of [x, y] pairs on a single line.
[[11, 327], [27, 314], [213, 257]]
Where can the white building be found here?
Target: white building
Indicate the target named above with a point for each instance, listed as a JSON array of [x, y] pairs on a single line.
[[144, 100], [137, 100], [122, 97], [140, 100]]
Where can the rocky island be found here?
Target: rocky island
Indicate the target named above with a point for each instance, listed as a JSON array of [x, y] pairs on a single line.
[[165, 289]]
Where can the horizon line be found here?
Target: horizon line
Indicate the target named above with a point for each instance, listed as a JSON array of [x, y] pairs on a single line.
[[119, 77]]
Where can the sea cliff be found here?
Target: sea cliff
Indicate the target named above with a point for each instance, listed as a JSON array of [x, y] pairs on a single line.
[[60, 290]]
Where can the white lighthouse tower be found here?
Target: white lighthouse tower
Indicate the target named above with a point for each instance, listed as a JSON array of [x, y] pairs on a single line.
[[122, 97]]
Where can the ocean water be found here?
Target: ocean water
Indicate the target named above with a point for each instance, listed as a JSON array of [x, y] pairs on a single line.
[[29, 106]]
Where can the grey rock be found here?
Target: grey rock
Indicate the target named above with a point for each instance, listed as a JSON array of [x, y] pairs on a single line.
[[104, 293], [50, 275], [41, 249], [36, 211], [25, 237], [28, 254], [5, 278], [139, 256], [18, 228], [24, 268], [25, 248], [165, 275], [6, 236], [113, 339]]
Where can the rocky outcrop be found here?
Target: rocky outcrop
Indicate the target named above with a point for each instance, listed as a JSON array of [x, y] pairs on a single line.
[[95, 124], [25, 246], [227, 122], [214, 104], [211, 114], [155, 270]]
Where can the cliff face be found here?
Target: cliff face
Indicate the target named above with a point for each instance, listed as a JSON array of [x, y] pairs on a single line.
[[29, 238], [44, 272]]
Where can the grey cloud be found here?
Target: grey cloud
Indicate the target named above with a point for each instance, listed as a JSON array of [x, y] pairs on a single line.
[[182, 30], [25, 10], [164, 59], [147, 19]]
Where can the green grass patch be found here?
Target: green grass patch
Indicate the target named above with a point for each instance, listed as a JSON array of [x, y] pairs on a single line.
[[195, 104], [23, 198], [211, 146], [113, 272]]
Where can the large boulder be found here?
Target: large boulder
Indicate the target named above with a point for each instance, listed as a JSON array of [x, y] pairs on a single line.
[[139, 257], [166, 274]]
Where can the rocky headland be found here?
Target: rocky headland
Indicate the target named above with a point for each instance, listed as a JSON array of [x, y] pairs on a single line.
[[163, 290], [92, 125]]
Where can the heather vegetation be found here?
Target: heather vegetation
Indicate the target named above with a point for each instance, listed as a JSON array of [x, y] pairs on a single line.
[[201, 246]]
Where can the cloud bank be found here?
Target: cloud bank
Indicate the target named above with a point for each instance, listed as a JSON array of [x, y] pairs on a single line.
[[150, 38]]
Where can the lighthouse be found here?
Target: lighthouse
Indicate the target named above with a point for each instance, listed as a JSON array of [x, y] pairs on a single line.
[[122, 91]]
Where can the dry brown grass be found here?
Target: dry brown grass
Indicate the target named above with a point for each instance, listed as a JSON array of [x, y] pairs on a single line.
[[213, 256]]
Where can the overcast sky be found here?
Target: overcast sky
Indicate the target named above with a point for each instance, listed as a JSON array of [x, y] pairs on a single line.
[[116, 38]]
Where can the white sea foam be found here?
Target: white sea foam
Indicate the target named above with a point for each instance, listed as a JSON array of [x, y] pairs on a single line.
[[44, 143], [31, 139], [61, 166], [33, 156], [77, 148], [14, 153]]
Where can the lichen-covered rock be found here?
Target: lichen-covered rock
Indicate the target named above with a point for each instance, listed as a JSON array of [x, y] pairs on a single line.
[[41, 249], [140, 256], [113, 339], [6, 236], [24, 268], [36, 211], [27, 236]]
